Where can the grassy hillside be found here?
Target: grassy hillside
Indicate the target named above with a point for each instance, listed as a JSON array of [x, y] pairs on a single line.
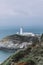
[[33, 55]]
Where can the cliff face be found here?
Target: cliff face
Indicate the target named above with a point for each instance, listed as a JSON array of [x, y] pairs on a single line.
[[17, 41]]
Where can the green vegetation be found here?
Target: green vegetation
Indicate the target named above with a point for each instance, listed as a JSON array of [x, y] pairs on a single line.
[[34, 54], [15, 38], [42, 37]]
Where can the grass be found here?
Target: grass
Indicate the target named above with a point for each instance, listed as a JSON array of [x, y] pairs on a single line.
[[29, 54]]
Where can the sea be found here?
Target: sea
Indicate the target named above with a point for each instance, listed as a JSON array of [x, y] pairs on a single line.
[[10, 31]]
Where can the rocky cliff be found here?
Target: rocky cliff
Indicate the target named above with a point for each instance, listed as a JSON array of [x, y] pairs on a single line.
[[17, 41]]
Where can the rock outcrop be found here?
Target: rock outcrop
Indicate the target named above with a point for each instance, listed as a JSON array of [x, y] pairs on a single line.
[[17, 41]]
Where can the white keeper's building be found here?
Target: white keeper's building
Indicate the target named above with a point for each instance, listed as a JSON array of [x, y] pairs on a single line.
[[25, 33]]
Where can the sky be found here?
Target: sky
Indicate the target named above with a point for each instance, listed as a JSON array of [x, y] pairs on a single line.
[[14, 13]]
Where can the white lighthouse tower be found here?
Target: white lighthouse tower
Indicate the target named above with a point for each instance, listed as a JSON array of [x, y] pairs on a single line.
[[21, 31]]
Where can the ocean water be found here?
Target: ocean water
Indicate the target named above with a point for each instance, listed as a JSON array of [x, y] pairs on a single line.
[[4, 55], [6, 32]]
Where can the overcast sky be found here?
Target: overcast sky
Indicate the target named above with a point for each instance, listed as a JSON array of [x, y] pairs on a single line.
[[21, 13]]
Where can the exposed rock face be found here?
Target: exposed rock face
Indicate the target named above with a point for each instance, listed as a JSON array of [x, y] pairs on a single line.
[[17, 41], [11, 45]]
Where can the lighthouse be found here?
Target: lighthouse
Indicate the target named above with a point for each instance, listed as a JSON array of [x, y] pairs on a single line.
[[21, 31], [25, 33]]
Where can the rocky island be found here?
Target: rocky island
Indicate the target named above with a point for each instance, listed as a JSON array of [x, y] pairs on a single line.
[[17, 41]]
